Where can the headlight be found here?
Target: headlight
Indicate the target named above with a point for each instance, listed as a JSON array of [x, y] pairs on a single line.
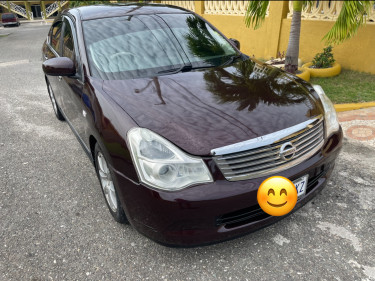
[[330, 116], [162, 165]]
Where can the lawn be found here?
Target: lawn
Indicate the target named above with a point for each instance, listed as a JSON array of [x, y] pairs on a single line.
[[348, 87]]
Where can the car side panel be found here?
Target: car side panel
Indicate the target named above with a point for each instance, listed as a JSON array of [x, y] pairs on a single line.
[[52, 80], [71, 87], [48, 53]]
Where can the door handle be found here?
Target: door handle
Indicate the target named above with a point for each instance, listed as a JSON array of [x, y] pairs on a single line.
[[60, 78]]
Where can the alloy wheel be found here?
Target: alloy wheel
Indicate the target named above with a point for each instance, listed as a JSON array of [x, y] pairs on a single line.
[[107, 182]]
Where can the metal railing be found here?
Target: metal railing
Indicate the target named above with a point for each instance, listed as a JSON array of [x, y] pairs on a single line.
[[227, 8], [18, 9], [54, 7], [325, 10]]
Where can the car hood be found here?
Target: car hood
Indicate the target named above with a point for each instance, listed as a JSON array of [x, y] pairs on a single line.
[[209, 108]]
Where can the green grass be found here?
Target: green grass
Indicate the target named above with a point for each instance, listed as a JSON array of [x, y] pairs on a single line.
[[348, 87]]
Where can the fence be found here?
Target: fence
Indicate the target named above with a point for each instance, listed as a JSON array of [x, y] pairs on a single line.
[[325, 10], [184, 4]]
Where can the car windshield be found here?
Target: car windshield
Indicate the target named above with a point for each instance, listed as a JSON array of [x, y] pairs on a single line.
[[8, 16], [150, 45]]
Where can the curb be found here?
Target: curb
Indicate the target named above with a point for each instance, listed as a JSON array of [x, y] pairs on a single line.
[[33, 22], [305, 75], [36, 21], [323, 72], [353, 106]]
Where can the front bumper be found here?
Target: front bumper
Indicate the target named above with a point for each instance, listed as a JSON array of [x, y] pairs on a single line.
[[218, 211]]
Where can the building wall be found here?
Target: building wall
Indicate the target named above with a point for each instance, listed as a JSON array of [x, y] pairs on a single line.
[[233, 27], [228, 16]]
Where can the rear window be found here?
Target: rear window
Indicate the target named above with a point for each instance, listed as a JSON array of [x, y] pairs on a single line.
[[8, 16]]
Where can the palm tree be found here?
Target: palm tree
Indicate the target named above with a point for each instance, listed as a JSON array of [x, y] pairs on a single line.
[[200, 41], [247, 84], [80, 3], [352, 16], [73, 4]]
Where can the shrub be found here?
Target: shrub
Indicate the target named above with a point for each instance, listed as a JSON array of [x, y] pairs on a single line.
[[325, 59]]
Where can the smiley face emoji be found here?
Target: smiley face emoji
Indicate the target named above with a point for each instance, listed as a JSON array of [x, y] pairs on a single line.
[[277, 196]]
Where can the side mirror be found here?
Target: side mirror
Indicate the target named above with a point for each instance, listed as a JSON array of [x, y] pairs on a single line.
[[61, 66], [235, 42]]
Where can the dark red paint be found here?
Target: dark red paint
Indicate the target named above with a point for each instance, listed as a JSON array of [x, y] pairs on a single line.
[[9, 19], [198, 111], [61, 66]]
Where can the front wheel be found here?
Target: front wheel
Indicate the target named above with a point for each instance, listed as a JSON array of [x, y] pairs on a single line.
[[108, 186]]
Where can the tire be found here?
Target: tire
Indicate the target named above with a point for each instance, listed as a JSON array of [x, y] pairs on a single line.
[[108, 185], [55, 106]]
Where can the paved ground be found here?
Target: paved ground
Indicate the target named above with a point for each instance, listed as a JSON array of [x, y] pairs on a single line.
[[359, 125], [55, 225]]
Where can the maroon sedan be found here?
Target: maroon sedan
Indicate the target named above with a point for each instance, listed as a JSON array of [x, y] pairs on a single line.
[[182, 127], [8, 19]]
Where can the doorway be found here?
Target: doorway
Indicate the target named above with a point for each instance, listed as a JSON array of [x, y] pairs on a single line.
[[36, 10]]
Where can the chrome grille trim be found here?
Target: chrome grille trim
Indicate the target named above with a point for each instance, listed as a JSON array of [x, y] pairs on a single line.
[[260, 157]]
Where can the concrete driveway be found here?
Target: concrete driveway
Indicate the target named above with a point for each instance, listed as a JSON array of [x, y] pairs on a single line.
[[55, 224]]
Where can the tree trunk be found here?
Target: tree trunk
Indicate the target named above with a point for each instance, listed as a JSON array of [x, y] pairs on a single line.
[[291, 58]]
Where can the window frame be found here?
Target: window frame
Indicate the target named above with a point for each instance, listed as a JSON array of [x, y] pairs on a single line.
[[78, 62], [63, 42], [56, 52]]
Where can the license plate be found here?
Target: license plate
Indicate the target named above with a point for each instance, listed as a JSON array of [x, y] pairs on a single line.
[[301, 185]]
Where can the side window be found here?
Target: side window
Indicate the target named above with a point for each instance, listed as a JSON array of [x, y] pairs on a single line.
[[55, 37], [68, 43], [68, 49]]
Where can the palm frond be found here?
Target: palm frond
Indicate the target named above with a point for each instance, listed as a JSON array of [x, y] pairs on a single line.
[[256, 13], [352, 16]]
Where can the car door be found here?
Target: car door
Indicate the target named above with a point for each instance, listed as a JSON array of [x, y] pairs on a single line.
[[71, 87], [53, 50]]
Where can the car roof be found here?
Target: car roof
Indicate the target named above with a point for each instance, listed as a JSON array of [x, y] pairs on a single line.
[[116, 10]]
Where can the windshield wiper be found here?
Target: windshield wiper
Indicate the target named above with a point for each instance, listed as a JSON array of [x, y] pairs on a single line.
[[232, 59], [186, 67]]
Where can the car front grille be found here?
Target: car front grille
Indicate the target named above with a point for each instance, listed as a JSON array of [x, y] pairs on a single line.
[[283, 153]]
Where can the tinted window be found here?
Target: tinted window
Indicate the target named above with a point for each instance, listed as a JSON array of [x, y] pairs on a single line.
[[55, 37], [143, 46], [199, 41], [8, 16], [68, 42]]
